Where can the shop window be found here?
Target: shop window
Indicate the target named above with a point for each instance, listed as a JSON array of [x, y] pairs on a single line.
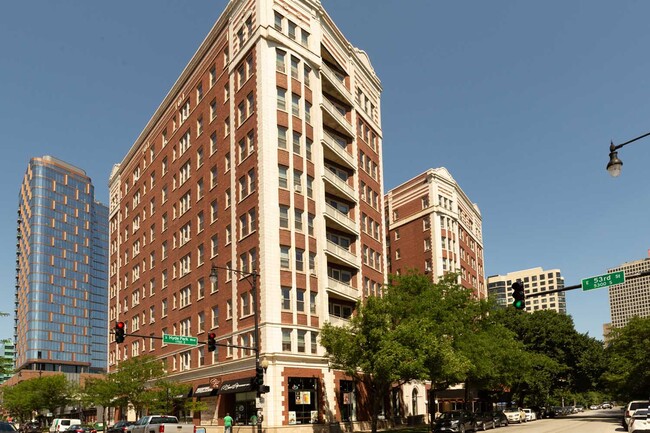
[[303, 399]]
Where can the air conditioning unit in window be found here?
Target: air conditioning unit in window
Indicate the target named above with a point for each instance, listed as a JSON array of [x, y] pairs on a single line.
[[297, 188]]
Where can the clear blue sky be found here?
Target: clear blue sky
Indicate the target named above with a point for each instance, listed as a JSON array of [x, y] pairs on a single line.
[[518, 100]]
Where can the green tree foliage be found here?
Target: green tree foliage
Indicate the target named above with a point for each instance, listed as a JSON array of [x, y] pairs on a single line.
[[369, 350], [132, 381], [628, 355], [47, 392]]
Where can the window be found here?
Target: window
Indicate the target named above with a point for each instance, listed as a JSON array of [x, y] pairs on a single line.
[[215, 317], [280, 60], [307, 112], [300, 300], [314, 342], [213, 143], [200, 289], [298, 219], [295, 105], [285, 298], [284, 217], [213, 211], [284, 257], [304, 37], [278, 21], [199, 92], [300, 253], [296, 142], [292, 29], [213, 110], [286, 340], [282, 137], [306, 74], [310, 224], [297, 181], [294, 67], [214, 246], [282, 99], [186, 296], [213, 75], [312, 302], [301, 340], [283, 176]]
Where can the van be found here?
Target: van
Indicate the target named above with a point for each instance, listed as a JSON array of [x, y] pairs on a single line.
[[62, 424]]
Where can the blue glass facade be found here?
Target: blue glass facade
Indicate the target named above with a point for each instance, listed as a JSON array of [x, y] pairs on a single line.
[[62, 269]]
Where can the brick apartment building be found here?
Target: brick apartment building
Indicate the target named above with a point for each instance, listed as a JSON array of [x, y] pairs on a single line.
[[265, 156], [434, 228]]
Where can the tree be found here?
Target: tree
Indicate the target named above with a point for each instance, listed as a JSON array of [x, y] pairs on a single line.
[[133, 378], [48, 392], [369, 350], [100, 392], [628, 373]]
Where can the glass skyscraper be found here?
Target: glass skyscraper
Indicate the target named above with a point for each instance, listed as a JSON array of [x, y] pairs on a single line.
[[61, 271]]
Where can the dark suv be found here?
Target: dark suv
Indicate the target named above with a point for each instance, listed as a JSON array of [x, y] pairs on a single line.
[[455, 422], [120, 427]]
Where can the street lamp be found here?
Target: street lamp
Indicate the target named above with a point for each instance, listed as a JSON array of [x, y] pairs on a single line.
[[615, 165], [256, 347]]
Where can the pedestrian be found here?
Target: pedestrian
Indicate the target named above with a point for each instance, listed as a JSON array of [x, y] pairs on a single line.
[[254, 419], [227, 423]]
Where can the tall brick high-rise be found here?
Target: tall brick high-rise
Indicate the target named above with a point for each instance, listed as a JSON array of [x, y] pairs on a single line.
[[265, 156], [435, 228]]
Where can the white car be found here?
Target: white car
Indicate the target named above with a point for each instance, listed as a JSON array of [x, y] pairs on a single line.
[[530, 415], [639, 422], [631, 408], [513, 415]]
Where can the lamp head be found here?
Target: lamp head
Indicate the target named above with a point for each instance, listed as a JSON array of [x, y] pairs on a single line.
[[614, 165], [213, 275]]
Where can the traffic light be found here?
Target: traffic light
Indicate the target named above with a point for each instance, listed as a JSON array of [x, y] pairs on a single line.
[[519, 295], [257, 382], [119, 332], [212, 342]]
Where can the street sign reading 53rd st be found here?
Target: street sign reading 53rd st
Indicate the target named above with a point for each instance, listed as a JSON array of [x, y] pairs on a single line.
[[601, 281]]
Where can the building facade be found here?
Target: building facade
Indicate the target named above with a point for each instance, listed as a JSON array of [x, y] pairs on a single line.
[[61, 272], [632, 298], [7, 352], [433, 227], [264, 157], [536, 281]]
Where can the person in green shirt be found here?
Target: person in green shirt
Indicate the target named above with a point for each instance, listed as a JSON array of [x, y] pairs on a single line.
[[227, 423]]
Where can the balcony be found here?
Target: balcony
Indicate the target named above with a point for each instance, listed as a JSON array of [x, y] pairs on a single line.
[[334, 117], [340, 220], [338, 187], [342, 290], [334, 84], [340, 255], [334, 151], [338, 321]]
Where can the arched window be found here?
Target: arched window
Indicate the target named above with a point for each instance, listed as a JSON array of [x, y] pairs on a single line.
[[414, 402]]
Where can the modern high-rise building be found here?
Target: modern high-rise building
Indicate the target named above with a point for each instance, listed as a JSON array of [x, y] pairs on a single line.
[[61, 271], [264, 157], [536, 281], [7, 353], [435, 228], [632, 298]]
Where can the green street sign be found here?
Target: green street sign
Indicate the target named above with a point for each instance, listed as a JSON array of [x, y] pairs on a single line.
[[601, 281], [180, 339]]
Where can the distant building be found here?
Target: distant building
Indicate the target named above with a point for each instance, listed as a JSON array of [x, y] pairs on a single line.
[[61, 272], [435, 228], [536, 281], [7, 352], [632, 298]]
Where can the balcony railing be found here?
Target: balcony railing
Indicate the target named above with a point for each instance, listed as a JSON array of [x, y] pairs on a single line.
[[339, 85], [342, 220], [338, 321], [341, 185], [340, 253], [342, 289], [342, 155], [335, 113]]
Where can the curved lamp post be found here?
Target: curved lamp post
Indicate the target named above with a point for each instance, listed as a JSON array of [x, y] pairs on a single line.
[[615, 165]]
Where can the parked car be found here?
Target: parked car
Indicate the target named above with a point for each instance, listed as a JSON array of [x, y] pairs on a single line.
[[120, 427], [30, 427], [500, 419], [7, 427], [455, 421], [631, 408], [484, 421], [530, 415], [61, 424], [81, 428], [514, 415], [639, 422]]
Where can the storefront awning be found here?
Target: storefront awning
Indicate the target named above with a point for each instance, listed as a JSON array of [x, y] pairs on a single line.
[[186, 395], [237, 385], [205, 391]]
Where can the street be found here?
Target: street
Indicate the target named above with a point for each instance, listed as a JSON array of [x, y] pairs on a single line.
[[593, 421]]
